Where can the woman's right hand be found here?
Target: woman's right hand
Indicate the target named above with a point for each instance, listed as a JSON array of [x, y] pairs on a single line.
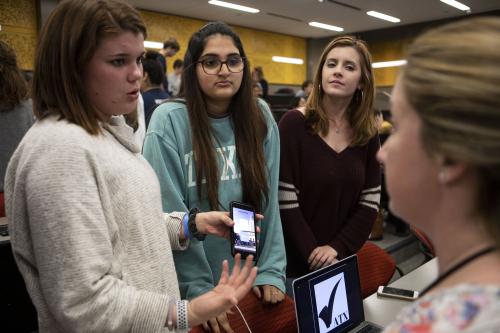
[[217, 223], [230, 290]]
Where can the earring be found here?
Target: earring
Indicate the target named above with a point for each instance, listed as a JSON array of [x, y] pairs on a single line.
[[361, 92]]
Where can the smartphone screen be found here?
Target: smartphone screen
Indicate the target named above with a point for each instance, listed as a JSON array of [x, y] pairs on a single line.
[[243, 235]]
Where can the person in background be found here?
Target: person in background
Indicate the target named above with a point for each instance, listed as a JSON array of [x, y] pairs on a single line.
[[215, 145], [170, 48], [305, 89], [174, 79], [304, 93], [151, 87], [256, 89], [329, 176], [87, 229], [442, 165], [16, 115], [258, 75]]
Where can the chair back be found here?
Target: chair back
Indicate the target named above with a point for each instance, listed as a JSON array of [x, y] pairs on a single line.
[[261, 318], [2, 205], [376, 268]]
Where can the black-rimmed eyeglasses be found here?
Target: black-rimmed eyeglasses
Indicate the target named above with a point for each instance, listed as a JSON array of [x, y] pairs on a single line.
[[213, 65]]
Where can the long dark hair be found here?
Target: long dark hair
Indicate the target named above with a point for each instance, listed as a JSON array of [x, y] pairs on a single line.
[[13, 88], [249, 125]]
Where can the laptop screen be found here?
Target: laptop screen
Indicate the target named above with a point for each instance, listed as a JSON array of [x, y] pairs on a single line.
[[329, 299]]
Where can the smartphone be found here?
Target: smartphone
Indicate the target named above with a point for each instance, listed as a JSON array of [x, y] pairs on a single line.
[[397, 293], [243, 233]]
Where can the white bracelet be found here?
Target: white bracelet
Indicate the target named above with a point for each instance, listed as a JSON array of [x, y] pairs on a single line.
[[182, 315]]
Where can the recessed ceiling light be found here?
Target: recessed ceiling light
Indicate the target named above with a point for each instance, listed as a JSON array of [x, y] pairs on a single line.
[[383, 16], [325, 26], [287, 60], [393, 63], [153, 45], [456, 4], [233, 6]]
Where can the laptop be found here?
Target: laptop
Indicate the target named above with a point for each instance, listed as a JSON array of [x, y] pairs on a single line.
[[329, 300]]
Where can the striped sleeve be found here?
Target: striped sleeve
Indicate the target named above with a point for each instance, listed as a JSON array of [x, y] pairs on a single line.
[[370, 197], [288, 196]]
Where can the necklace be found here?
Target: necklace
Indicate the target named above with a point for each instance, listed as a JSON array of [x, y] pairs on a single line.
[[338, 129], [457, 266]]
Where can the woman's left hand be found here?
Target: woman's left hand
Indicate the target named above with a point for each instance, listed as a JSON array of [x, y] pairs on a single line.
[[217, 223], [271, 294]]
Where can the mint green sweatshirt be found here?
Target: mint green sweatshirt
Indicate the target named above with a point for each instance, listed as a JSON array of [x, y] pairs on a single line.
[[169, 150]]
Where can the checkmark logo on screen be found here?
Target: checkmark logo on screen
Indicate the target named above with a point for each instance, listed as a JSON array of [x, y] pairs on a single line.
[[327, 311]]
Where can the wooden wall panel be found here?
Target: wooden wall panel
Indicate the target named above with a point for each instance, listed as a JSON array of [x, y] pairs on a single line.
[[386, 51], [260, 46], [19, 29]]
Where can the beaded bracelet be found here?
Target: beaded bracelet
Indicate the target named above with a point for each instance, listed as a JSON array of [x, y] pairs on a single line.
[[182, 315]]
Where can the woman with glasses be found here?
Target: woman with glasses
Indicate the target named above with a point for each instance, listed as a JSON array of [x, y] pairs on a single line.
[[215, 145]]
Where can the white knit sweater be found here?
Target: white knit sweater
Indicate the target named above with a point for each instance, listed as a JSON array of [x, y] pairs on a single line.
[[88, 232]]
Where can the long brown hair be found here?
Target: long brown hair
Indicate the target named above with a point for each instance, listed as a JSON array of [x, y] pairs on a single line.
[[249, 125], [359, 111], [67, 43], [13, 88]]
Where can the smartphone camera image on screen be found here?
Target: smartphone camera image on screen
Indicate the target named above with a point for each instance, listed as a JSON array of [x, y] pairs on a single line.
[[243, 234], [397, 293]]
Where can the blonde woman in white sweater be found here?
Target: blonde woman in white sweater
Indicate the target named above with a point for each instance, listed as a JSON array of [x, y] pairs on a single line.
[[87, 228]]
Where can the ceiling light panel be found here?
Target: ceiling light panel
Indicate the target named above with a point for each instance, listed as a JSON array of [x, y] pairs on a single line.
[[393, 63], [286, 60], [325, 26], [234, 6], [152, 45], [383, 16], [456, 4]]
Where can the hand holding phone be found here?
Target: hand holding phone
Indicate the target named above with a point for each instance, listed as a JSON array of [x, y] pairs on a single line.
[[244, 232], [397, 293]]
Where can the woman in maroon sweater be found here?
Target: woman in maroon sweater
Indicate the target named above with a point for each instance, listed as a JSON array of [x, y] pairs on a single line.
[[329, 175]]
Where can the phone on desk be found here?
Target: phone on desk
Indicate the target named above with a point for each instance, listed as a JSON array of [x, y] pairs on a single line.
[[243, 233], [405, 294]]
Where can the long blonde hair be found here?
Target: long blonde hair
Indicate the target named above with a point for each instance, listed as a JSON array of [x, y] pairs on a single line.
[[359, 111], [452, 80]]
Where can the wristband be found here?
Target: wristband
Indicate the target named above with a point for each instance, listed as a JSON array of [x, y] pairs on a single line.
[[185, 220], [182, 316]]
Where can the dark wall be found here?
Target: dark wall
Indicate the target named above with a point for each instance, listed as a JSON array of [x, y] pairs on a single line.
[[44, 8]]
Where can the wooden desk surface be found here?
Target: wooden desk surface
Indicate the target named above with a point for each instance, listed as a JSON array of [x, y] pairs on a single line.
[[383, 310]]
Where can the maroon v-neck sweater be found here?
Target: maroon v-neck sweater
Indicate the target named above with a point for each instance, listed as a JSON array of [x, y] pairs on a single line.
[[326, 197]]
